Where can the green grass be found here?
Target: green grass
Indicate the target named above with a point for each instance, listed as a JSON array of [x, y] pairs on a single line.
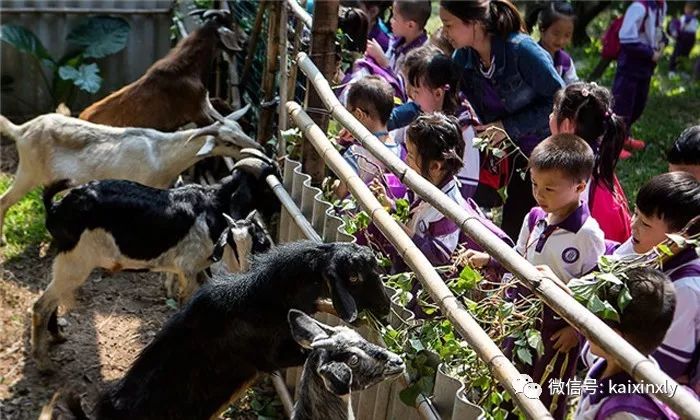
[[672, 106], [24, 222]]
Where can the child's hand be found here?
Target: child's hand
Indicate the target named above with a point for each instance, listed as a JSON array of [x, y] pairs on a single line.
[[380, 192], [548, 273], [474, 258], [375, 51], [565, 339], [657, 55]]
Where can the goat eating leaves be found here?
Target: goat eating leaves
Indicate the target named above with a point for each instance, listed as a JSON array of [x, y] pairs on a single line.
[[341, 361]]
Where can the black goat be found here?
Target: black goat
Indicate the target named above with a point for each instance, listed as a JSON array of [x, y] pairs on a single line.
[[117, 225], [236, 327]]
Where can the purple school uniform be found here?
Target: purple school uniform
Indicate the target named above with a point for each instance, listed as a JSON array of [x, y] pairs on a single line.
[[377, 34], [683, 30], [398, 48], [564, 65], [640, 35], [680, 345], [603, 401]]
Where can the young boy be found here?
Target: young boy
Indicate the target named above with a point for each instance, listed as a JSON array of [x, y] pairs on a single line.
[[643, 323], [560, 234], [665, 205], [683, 31], [408, 25], [684, 154], [641, 45], [370, 100]]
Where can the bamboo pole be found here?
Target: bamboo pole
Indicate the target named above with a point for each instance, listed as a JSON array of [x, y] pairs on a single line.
[[640, 367], [298, 27], [300, 13], [84, 11], [468, 328], [253, 43], [284, 80], [325, 24], [267, 112]]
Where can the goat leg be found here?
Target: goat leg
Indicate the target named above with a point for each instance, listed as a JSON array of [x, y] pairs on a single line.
[[188, 284], [56, 336]]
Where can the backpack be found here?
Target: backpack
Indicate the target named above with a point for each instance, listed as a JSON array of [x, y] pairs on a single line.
[[611, 37]]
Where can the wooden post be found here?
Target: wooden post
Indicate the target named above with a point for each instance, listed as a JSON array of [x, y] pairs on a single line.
[[282, 110], [322, 53], [298, 27], [267, 111]]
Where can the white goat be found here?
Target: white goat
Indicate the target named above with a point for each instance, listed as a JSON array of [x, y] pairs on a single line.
[[53, 147]]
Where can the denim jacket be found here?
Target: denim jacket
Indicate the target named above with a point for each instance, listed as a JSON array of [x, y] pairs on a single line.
[[520, 93]]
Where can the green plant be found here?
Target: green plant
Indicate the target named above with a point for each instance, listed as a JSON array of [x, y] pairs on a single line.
[[24, 223], [95, 38]]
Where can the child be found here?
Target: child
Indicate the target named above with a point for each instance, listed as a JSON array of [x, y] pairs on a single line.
[[431, 81], [683, 31], [584, 109], [641, 45], [665, 205], [370, 100], [407, 23], [556, 25], [643, 323], [684, 154], [560, 234], [378, 30]]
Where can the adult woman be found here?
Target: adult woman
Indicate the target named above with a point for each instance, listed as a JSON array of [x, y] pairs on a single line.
[[508, 79]]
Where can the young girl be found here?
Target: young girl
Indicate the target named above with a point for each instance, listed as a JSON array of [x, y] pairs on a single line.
[[431, 81], [556, 24], [585, 110]]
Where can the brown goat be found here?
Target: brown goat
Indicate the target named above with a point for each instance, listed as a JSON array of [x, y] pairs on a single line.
[[173, 91]]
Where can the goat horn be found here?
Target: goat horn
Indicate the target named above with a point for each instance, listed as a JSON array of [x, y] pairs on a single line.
[[229, 219], [251, 216], [251, 165], [213, 113], [197, 12], [214, 12], [255, 153], [206, 131]]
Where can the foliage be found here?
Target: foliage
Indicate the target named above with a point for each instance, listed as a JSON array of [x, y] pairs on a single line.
[[24, 222], [96, 37]]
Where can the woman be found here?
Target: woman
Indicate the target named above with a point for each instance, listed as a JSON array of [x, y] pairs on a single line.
[[509, 80]]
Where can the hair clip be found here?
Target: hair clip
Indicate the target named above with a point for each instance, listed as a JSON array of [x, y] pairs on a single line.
[[446, 87], [609, 113], [585, 92]]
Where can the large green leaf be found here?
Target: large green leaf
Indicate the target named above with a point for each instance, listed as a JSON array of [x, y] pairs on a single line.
[[87, 77], [100, 36], [24, 40]]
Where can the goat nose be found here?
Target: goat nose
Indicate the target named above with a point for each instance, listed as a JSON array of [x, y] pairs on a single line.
[[395, 366]]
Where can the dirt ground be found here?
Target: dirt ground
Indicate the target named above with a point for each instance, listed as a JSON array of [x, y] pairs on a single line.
[[113, 318]]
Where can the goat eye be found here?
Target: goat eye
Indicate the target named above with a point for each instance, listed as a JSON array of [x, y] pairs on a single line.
[[353, 360]]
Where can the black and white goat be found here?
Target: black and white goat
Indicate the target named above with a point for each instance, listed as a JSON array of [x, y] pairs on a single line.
[[236, 327], [118, 225], [53, 147], [341, 361]]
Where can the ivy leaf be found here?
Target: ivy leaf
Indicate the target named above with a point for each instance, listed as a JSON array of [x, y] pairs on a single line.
[[665, 249], [100, 36], [534, 340], [623, 298], [595, 305], [524, 355], [610, 278], [87, 77], [677, 239], [170, 303], [609, 312]]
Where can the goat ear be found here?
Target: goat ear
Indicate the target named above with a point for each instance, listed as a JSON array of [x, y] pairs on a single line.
[[306, 330], [337, 377], [228, 39], [208, 146], [236, 115], [220, 244], [343, 302]]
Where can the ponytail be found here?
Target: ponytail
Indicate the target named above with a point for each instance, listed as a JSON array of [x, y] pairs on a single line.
[[500, 17], [589, 107]]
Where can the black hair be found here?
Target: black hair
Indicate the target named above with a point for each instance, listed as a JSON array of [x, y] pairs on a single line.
[[589, 107], [373, 95], [428, 65], [686, 149], [647, 317], [564, 152], [499, 16], [545, 15], [354, 24], [437, 137], [673, 197], [415, 10]]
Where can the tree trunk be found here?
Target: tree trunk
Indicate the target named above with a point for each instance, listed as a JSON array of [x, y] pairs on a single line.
[[267, 108], [586, 11], [322, 52]]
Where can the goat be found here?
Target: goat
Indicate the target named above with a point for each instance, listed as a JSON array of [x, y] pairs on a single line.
[[116, 224], [341, 361], [236, 326], [52, 147], [172, 92]]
